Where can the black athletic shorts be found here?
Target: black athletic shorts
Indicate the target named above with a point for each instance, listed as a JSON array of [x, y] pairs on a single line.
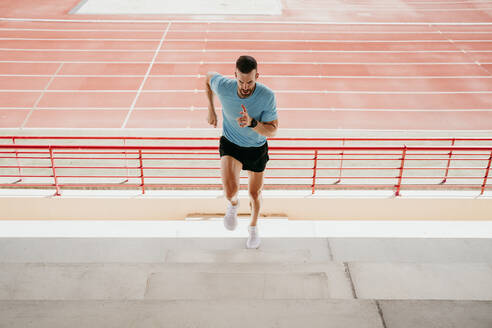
[[253, 158]]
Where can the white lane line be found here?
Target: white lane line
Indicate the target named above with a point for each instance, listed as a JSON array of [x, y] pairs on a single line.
[[395, 9], [78, 50], [269, 76], [323, 51], [151, 65], [332, 32], [34, 107], [241, 22], [321, 41], [242, 40], [74, 39], [247, 50], [276, 91], [322, 109], [403, 5], [198, 108], [242, 31], [385, 3], [69, 109], [201, 62], [77, 30], [74, 75]]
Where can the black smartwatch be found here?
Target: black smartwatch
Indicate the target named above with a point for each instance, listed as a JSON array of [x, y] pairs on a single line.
[[253, 123]]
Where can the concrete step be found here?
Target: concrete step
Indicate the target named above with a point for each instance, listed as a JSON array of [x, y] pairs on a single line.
[[449, 314], [178, 281], [216, 314], [439, 250], [429, 281], [246, 314], [232, 250], [173, 281], [155, 250]]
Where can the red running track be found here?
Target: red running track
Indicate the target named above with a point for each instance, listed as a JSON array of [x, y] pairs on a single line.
[[333, 71]]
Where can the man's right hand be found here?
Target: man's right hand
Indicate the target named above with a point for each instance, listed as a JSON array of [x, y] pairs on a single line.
[[212, 117]]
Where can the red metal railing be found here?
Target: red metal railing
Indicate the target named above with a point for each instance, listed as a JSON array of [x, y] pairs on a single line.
[[315, 166]]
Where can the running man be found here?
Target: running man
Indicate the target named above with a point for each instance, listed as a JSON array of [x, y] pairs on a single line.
[[249, 114]]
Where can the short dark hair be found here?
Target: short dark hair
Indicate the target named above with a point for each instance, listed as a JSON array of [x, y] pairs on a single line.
[[245, 64]]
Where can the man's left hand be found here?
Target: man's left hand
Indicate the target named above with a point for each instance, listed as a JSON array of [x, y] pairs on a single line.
[[244, 120]]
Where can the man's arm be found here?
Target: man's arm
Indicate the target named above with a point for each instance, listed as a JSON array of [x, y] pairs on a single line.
[[267, 129], [212, 116]]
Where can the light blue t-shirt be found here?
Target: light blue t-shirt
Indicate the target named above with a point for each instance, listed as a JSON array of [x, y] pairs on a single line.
[[261, 106]]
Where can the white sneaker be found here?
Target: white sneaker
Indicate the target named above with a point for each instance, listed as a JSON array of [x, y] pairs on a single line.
[[254, 238], [230, 218]]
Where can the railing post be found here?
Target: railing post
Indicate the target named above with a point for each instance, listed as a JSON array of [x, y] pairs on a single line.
[[314, 171], [54, 172], [141, 170], [398, 186], [18, 163], [126, 163], [341, 164], [449, 162], [486, 174]]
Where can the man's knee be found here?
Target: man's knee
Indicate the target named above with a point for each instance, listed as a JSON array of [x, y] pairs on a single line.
[[255, 194], [231, 190]]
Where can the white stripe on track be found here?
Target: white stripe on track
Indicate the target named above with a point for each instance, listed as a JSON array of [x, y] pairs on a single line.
[[232, 62], [247, 50], [34, 107], [242, 31], [197, 108], [242, 40], [77, 39], [322, 41], [276, 91], [270, 76], [198, 21], [146, 75], [386, 3], [393, 9]]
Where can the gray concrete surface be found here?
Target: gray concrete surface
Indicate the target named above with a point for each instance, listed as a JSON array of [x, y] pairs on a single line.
[[279, 250], [215, 282], [438, 314], [156, 250], [446, 281], [172, 281], [443, 250], [224, 286], [187, 314]]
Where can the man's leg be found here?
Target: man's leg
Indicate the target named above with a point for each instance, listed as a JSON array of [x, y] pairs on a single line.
[[231, 171], [255, 186]]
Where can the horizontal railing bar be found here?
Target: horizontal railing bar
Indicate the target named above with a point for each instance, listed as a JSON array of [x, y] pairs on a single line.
[[306, 148], [218, 177], [217, 168], [272, 158], [217, 138], [364, 186], [273, 149]]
